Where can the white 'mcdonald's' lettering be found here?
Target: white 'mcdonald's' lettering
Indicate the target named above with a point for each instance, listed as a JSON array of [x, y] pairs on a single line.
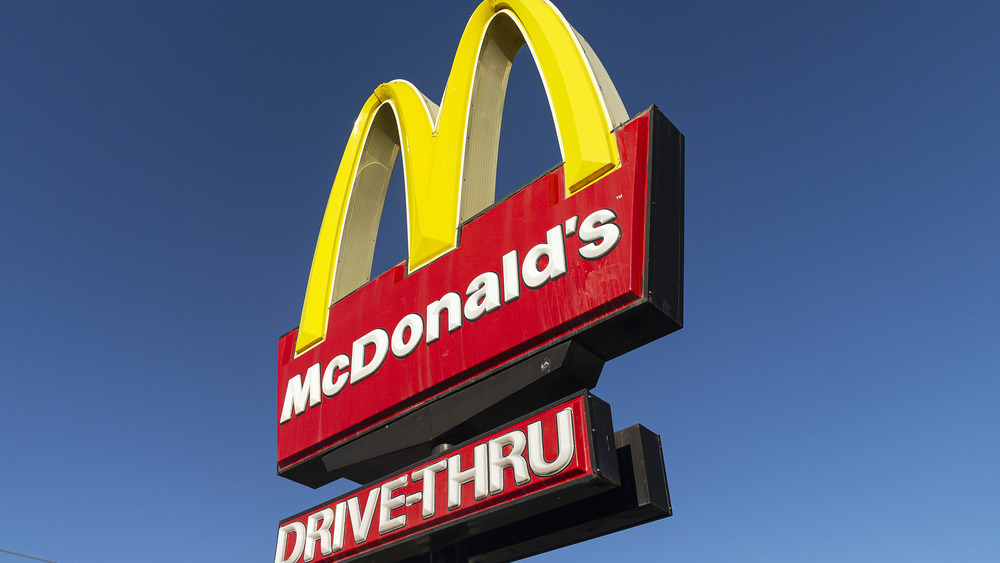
[[598, 234]]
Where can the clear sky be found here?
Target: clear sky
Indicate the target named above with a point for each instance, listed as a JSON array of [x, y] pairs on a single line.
[[834, 395]]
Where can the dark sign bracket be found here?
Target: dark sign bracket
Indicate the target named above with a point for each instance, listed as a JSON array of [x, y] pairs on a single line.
[[456, 417]]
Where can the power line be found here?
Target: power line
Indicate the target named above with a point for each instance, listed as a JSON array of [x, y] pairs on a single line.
[[26, 556]]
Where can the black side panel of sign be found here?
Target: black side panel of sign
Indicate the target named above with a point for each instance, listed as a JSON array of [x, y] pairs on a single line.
[[666, 217]]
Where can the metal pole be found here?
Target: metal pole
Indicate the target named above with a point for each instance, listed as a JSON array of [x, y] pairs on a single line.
[[455, 553]]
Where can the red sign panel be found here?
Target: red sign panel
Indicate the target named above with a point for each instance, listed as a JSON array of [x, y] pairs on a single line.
[[533, 270], [557, 456]]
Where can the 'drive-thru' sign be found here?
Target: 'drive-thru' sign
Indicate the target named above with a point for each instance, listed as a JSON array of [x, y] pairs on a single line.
[[591, 251], [546, 460]]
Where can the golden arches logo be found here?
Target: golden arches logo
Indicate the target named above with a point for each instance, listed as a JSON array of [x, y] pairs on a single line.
[[450, 151]]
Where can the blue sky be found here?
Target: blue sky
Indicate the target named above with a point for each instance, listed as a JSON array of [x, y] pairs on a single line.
[[833, 396]]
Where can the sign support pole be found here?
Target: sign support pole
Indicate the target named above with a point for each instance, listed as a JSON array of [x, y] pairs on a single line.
[[457, 552]]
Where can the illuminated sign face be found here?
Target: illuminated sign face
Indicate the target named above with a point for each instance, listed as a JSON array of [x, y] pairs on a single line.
[[547, 460], [590, 251]]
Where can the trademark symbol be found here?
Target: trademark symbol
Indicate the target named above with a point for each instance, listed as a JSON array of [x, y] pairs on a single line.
[[619, 196]]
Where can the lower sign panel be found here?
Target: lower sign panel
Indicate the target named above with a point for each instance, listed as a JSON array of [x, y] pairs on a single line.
[[554, 457]]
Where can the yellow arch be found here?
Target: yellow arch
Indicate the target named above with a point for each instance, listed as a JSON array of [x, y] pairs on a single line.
[[450, 153]]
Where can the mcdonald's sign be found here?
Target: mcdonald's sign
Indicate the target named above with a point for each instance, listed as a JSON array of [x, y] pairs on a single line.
[[588, 256]]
